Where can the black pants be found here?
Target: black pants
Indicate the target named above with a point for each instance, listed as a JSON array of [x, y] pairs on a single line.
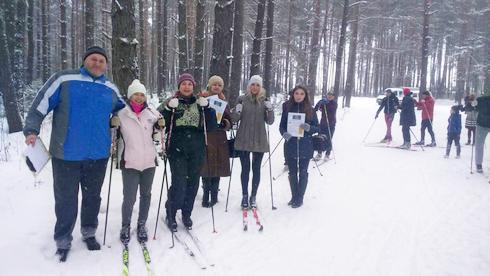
[[67, 177], [426, 124], [328, 141], [450, 138], [298, 179], [185, 183], [406, 133], [210, 186], [471, 130], [256, 162]]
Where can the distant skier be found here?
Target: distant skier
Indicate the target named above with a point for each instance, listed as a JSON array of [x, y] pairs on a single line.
[[328, 108], [389, 105], [454, 130], [407, 116], [471, 115], [426, 104]]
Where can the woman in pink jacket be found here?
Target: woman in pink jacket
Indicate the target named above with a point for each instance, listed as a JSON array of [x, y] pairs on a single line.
[[138, 160]]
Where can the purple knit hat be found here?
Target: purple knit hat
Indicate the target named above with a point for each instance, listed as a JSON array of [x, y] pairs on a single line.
[[186, 77]]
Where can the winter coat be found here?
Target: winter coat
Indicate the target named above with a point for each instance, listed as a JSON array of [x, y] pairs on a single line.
[[185, 126], [136, 143], [454, 126], [301, 145], [389, 104], [82, 106], [407, 115], [251, 135], [331, 108], [217, 159], [471, 115], [427, 108], [483, 109]]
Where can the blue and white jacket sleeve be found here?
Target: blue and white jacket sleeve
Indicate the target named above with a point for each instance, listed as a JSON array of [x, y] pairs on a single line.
[[48, 97]]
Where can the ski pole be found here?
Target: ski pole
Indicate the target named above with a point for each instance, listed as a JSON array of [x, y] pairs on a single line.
[[166, 176], [207, 159], [231, 172], [414, 136], [329, 134], [369, 130], [268, 159], [270, 170], [212, 216], [161, 193], [114, 141]]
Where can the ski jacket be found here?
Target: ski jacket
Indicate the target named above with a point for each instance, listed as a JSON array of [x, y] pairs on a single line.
[[331, 110], [454, 126], [303, 146], [82, 106], [137, 147], [483, 109], [407, 115], [389, 104], [427, 108]]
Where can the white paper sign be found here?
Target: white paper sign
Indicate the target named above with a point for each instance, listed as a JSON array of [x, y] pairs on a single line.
[[294, 121], [38, 155], [218, 105]]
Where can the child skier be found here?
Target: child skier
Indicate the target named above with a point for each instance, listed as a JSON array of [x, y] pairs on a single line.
[[454, 130]]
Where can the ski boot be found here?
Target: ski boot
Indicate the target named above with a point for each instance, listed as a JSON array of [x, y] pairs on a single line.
[[142, 233], [479, 169], [187, 221], [432, 144], [92, 244], [245, 201], [124, 235], [419, 143], [62, 254], [171, 223], [253, 202]]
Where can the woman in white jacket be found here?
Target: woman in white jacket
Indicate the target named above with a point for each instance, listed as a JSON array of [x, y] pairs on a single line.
[[138, 160]]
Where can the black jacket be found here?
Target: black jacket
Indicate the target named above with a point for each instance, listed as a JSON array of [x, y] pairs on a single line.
[[407, 116], [390, 104], [483, 108]]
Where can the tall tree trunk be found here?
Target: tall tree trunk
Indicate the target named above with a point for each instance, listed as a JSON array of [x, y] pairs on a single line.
[[182, 38], [255, 61], [199, 44], [46, 67], [222, 39], [19, 48], [124, 65], [268, 47], [351, 80], [6, 85], [425, 46], [10, 22], [288, 48], [340, 49], [143, 16], [237, 70], [30, 43], [314, 52], [90, 23], [63, 36]]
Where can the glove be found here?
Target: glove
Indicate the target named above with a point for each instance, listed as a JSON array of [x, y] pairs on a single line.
[[115, 121], [238, 108], [268, 105], [203, 102], [305, 126], [287, 136], [474, 103], [161, 122], [173, 103]]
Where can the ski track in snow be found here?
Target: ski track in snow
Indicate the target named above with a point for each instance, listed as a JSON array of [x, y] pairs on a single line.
[[376, 211]]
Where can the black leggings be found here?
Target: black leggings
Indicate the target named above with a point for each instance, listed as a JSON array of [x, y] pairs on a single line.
[[256, 162]]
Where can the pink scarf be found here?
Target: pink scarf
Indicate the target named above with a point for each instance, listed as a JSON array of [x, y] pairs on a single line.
[[137, 108]]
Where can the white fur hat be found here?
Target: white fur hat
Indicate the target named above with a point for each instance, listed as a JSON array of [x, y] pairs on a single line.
[[255, 79], [136, 86]]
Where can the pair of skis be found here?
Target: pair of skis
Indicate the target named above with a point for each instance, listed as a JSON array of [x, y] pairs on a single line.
[[146, 257], [199, 254], [255, 214], [386, 145]]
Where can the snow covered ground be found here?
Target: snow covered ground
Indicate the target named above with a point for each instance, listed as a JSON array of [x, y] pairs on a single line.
[[376, 211]]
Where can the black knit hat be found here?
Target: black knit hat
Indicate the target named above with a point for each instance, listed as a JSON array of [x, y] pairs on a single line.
[[95, 50]]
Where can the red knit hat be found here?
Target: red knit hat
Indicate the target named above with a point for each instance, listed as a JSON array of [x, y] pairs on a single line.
[[186, 77], [406, 91]]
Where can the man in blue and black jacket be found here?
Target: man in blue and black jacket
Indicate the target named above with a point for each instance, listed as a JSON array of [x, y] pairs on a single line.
[[82, 102]]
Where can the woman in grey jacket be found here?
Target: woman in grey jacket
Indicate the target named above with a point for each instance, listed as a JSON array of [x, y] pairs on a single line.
[[253, 111]]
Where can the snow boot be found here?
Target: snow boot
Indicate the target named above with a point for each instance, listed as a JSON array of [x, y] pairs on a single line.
[[432, 144], [293, 184], [142, 233], [124, 235], [187, 221], [479, 168], [419, 143], [253, 202], [405, 146], [62, 254], [245, 201], [92, 244]]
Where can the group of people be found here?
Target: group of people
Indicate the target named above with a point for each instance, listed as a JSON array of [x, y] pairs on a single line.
[[477, 121], [87, 108]]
